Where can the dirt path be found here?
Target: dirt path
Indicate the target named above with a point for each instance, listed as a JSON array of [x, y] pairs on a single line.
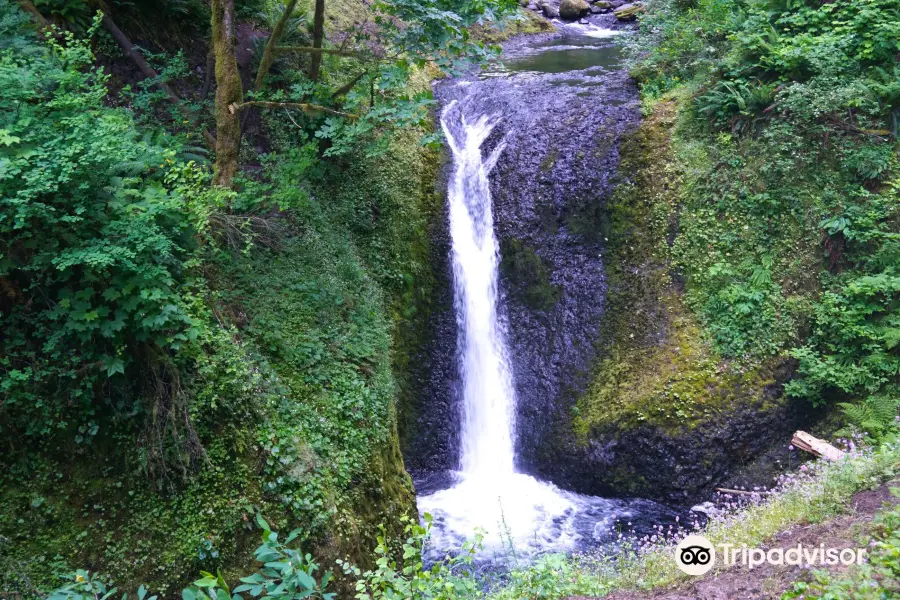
[[768, 582]]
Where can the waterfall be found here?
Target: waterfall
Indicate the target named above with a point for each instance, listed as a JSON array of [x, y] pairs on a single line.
[[488, 402], [489, 494]]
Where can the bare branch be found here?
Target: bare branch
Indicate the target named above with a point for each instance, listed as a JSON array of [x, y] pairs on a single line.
[[319, 51], [307, 108]]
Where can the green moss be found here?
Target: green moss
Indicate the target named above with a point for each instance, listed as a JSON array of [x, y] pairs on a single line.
[[528, 275], [523, 23], [550, 160], [657, 366]]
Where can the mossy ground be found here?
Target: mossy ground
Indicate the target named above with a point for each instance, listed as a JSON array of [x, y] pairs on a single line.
[[525, 22]]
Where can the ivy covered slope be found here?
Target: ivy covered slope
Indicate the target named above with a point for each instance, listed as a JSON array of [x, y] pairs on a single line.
[[754, 241], [176, 356]]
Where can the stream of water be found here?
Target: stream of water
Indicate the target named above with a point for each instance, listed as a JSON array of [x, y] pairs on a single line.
[[488, 492]]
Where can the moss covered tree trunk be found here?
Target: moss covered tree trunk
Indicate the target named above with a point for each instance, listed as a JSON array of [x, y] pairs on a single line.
[[318, 39], [268, 57], [229, 90]]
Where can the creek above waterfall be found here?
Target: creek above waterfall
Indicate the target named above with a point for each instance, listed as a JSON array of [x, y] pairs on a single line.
[[532, 151]]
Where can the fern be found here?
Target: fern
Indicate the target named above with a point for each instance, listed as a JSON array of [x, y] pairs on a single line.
[[876, 415]]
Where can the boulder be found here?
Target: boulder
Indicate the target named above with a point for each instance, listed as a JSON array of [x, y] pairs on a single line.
[[628, 12], [602, 4], [550, 11], [596, 10], [573, 9], [532, 6]]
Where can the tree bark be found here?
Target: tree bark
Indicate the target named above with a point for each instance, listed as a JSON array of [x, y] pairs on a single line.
[[210, 71], [318, 39], [268, 56], [229, 90]]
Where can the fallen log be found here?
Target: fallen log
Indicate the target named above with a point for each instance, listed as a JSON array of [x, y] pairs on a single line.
[[814, 445], [742, 492]]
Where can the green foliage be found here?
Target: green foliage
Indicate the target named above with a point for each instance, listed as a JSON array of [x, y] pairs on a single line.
[[279, 398], [788, 235], [876, 415], [286, 574], [754, 60], [853, 349], [401, 573], [96, 222], [380, 62]]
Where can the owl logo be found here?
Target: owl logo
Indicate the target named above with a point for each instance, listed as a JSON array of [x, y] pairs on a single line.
[[695, 555]]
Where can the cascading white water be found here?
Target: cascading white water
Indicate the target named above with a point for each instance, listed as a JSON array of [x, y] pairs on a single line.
[[490, 495], [487, 493], [487, 391]]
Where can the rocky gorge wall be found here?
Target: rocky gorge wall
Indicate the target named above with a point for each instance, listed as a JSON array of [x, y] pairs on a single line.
[[618, 393]]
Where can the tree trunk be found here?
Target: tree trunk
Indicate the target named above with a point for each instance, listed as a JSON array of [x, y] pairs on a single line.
[[210, 71], [268, 56], [318, 39], [136, 57], [229, 90], [29, 7]]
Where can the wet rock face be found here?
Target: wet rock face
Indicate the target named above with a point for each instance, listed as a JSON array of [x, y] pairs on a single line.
[[565, 109], [677, 467], [564, 106]]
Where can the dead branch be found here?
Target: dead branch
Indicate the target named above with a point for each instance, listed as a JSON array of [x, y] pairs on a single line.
[[313, 50], [308, 108]]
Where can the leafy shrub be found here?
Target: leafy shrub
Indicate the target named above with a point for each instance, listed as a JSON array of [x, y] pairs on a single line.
[[854, 348], [402, 573], [95, 232], [288, 574]]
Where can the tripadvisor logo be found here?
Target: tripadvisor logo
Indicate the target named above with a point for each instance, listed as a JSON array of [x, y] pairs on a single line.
[[695, 555]]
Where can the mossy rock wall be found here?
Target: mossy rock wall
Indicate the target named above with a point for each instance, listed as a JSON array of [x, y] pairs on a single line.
[[664, 416]]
